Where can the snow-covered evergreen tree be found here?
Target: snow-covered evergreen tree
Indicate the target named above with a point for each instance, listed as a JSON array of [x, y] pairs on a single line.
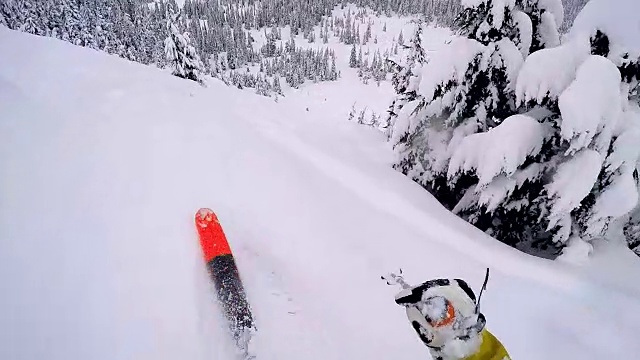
[[333, 73], [404, 78], [611, 207], [277, 88], [468, 88], [556, 168], [538, 21], [579, 176], [181, 55], [367, 34], [353, 60]]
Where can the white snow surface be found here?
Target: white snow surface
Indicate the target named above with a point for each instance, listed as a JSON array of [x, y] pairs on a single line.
[[576, 252], [104, 163]]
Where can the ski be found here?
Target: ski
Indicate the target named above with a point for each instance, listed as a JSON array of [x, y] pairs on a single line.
[[226, 280]]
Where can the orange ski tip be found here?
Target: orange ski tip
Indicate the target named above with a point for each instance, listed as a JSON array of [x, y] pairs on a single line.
[[212, 238], [205, 216]]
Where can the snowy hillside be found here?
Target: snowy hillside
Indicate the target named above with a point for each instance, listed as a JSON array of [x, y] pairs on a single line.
[[350, 95], [104, 162]]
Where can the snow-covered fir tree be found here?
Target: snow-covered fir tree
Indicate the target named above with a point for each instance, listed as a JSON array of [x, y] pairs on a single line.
[[377, 70], [578, 174], [181, 55], [353, 60], [546, 159], [277, 88], [404, 74], [367, 34], [467, 88]]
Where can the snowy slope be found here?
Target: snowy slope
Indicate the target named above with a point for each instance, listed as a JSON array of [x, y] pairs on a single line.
[[104, 162], [338, 98]]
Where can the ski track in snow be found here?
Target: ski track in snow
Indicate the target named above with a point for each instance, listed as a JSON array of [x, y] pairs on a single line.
[[105, 161]]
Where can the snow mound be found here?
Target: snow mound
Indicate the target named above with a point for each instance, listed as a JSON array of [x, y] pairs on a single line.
[[576, 252]]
